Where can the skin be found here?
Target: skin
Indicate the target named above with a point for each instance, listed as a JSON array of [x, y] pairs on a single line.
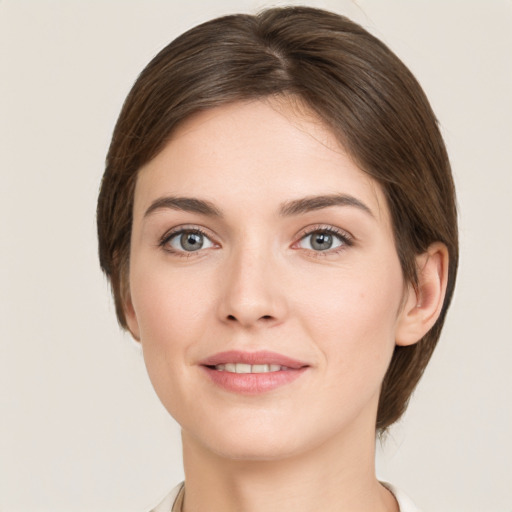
[[259, 284]]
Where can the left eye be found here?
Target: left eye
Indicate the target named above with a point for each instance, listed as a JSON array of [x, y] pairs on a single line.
[[321, 240], [189, 241]]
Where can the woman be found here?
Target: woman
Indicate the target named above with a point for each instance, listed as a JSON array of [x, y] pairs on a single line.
[[277, 220]]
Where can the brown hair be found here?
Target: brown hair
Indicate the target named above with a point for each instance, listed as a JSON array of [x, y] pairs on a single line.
[[352, 81]]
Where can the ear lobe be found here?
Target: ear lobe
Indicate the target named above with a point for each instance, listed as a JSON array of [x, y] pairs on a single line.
[[423, 305], [130, 316]]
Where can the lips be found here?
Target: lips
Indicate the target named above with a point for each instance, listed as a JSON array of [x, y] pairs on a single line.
[[252, 372], [253, 358]]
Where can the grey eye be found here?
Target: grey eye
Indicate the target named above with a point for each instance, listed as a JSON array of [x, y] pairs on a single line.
[[321, 241], [189, 241]]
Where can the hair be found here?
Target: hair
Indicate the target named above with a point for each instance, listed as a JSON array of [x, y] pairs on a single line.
[[363, 93]]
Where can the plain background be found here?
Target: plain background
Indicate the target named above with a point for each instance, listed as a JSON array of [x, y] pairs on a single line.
[[80, 426]]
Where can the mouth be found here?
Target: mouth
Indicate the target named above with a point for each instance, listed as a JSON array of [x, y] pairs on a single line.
[[249, 368], [252, 373]]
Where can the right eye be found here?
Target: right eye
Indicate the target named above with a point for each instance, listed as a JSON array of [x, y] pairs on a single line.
[[187, 240]]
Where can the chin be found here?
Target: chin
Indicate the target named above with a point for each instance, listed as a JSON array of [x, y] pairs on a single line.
[[260, 442]]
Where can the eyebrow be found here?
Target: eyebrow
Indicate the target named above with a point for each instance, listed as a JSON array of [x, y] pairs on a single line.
[[308, 204], [288, 209], [187, 204]]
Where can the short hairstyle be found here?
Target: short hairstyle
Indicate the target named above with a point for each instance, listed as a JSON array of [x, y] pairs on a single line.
[[363, 93]]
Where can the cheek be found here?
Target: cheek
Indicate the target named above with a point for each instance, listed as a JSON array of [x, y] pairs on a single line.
[[351, 317], [352, 314], [171, 309], [168, 304]]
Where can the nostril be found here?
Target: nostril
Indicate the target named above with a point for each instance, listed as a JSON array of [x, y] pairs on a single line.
[[233, 318]]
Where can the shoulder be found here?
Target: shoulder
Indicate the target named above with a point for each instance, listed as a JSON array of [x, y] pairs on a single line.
[[404, 502], [166, 505]]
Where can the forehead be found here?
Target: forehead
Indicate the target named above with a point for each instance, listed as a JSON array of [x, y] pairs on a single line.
[[255, 155]]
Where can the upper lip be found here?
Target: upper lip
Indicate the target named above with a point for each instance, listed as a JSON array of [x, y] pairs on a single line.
[[259, 357]]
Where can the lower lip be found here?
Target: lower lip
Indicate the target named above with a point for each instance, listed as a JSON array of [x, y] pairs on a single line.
[[253, 383]]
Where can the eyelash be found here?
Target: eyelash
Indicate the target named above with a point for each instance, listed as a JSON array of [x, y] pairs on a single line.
[[346, 239], [164, 241]]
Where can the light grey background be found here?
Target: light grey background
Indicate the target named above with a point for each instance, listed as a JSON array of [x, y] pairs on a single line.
[[80, 426]]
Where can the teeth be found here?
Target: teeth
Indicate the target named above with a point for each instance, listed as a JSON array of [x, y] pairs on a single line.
[[247, 368]]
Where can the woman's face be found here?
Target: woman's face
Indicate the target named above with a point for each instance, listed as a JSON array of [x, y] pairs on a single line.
[[265, 285]]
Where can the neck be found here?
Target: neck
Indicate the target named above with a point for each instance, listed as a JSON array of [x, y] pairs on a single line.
[[338, 475]]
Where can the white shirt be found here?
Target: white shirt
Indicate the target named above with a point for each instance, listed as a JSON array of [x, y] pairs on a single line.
[[404, 503]]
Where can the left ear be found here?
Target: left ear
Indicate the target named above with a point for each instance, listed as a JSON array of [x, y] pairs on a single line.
[[422, 305]]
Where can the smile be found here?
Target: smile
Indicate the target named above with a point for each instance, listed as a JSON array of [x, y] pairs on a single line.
[[248, 368], [252, 373]]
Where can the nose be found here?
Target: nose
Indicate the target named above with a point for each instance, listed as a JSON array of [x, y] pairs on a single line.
[[252, 290]]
